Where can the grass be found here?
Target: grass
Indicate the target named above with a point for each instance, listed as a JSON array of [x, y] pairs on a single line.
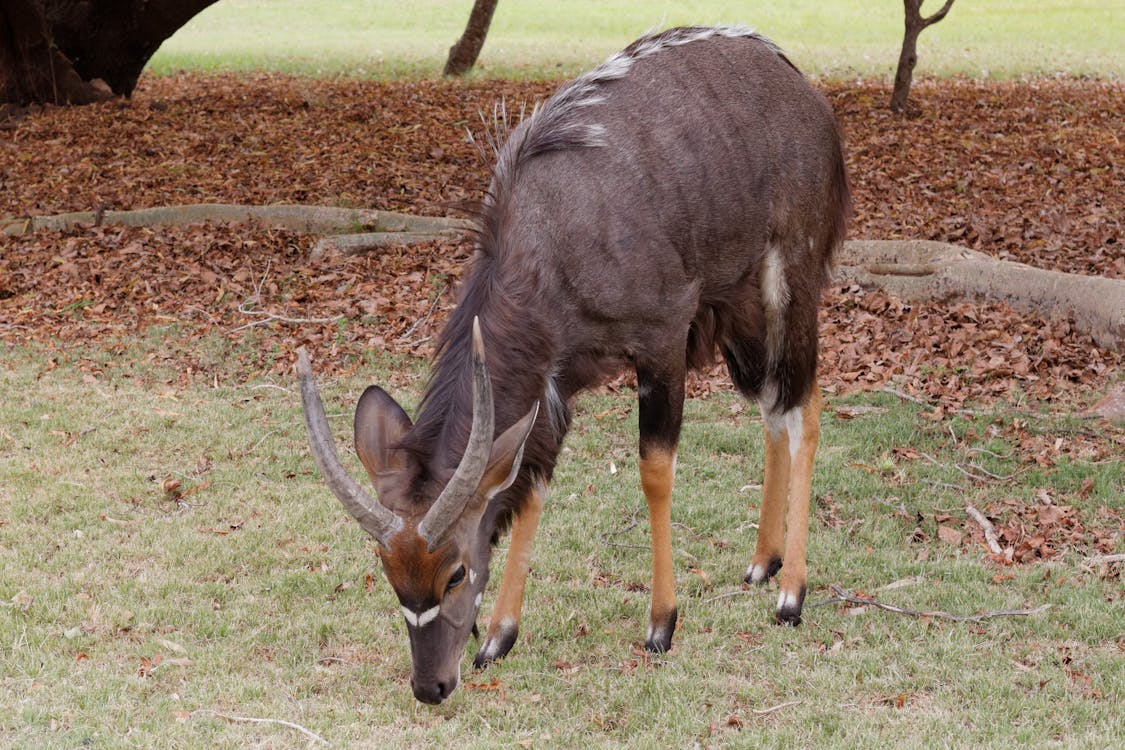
[[127, 616], [545, 39]]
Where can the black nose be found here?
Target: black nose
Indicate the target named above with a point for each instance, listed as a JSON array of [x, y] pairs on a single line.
[[432, 692]]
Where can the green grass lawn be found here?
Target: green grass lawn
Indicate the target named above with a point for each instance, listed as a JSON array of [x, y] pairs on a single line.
[[169, 553], [543, 38], [129, 611]]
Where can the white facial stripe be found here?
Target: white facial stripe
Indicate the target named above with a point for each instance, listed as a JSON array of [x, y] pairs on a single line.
[[420, 619], [425, 618], [477, 601], [472, 576]]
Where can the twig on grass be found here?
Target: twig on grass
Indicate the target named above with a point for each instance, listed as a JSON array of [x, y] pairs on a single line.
[[772, 709], [987, 452], [986, 477], [268, 317], [261, 440], [326, 660], [252, 720], [270, 385], [727, 595], [618, 532], [982, 413], [902, 583], [422, 321], [1103, 559], [945, 485], [840, 596], [907, 397], [998, 477], [989, 530], [274, 318]]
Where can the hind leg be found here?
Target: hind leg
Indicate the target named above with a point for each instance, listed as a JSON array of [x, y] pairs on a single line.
[[746, 362], [771, 519], [801, 429], [790, 403]]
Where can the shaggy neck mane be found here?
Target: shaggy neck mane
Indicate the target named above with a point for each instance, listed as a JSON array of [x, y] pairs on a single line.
[[518, 349]]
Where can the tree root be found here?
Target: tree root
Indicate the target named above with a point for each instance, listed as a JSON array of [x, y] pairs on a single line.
[[365, 242], [936, 271], [312, 219]]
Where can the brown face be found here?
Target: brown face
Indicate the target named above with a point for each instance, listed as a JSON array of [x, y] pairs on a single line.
[[440, 595]]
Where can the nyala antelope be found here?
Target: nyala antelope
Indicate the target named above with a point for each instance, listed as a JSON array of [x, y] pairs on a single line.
[[684, 198]]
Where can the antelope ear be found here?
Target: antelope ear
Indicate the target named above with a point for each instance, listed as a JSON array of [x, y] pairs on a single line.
[[380, 424], [507, 452]]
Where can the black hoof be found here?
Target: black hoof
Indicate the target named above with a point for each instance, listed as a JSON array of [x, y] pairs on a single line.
[[760, 576], [788, 610], [496, 647], [659, 638]]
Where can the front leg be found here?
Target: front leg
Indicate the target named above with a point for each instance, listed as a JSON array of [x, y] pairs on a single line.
[[661, 412], [504, 624]]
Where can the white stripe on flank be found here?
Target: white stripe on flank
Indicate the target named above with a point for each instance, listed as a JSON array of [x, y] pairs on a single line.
[[775, 288], [420, 619]]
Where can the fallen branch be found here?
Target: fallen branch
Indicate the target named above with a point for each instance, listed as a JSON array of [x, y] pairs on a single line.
[[840, 596], [987, 527], [251, 720]]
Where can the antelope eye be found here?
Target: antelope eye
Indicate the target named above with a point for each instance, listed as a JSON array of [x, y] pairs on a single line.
[[457, 578]]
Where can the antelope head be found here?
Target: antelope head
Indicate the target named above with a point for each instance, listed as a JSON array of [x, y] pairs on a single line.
[[426, 519]]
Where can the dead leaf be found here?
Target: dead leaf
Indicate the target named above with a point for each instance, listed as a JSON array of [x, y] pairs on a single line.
[[949, 535], [171, 645]]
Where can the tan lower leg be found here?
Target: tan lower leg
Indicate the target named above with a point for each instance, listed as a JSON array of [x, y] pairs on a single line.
[[771, 519], [658, 471], [793, 574], [509, 600]]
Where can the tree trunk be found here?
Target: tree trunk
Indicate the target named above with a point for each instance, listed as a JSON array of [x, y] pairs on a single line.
[[463, 54], [87, 51], [908, 58], [31, 68]]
